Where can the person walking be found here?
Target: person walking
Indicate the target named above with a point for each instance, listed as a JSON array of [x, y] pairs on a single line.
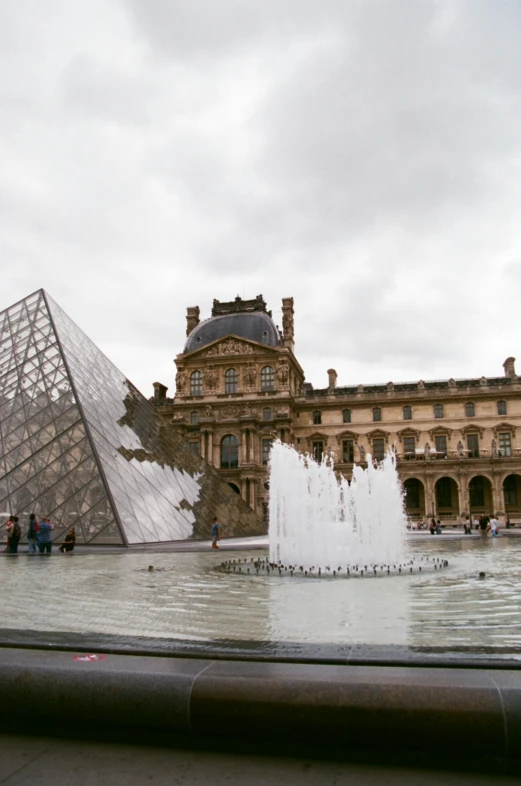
[[69, 541], [16, 534], [45, 529], [484, 526], [32, 533], [216, 532]]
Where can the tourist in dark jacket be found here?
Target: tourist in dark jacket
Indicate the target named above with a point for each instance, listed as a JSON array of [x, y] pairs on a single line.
[[32, 533], [16, 534], [69, 542]]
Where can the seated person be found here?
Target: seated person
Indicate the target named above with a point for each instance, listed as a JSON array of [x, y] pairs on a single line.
[[70, 540]]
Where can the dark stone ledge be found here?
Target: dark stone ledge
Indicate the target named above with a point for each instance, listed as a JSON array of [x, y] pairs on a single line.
[[446, 710]]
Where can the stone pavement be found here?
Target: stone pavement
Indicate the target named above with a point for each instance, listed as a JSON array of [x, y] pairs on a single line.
[[44, 761]]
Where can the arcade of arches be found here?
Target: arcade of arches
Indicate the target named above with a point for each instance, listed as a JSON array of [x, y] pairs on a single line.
[[449, 497]]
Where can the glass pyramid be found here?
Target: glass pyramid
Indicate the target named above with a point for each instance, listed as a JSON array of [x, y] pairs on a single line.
[[80, 444]]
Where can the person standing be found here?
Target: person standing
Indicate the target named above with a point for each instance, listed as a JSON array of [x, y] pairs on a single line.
[[31, 534], [216, 532], [484, 526], [494, 524], [45, 529], [16, 534], [8, 530]]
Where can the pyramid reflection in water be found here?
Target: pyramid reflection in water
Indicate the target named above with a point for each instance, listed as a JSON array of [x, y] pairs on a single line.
[[79, 443]]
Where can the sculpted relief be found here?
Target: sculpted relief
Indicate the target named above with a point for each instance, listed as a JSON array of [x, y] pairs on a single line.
[[230, 346]]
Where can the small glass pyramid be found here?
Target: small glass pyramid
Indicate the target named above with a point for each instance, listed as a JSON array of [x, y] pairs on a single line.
[[80, 444]]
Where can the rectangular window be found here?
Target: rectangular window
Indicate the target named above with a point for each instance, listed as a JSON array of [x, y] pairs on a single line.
[[194, 447], [318, 450], [348, 451], [473, 445], [317, 418], [378, 449], [409, 446], [438, 410], [441, 446], [266, 449], [505, 445]]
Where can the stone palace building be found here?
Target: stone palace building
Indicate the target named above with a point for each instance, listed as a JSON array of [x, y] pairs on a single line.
[[239, 386]]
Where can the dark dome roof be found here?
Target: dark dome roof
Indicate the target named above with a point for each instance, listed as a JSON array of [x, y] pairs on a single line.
[[255, 326]]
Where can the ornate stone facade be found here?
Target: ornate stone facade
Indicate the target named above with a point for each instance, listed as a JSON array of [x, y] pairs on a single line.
[[457, 441]]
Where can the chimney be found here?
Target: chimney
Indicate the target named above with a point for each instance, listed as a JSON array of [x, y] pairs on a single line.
[[510, 368], [332, 375], [288, 322], [192, 318], [159, 391]]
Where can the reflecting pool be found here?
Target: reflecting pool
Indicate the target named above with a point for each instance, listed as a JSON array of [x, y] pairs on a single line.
[[184, 597]]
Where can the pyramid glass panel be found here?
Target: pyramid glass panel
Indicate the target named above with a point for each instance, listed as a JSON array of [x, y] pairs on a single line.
[[80, 444]]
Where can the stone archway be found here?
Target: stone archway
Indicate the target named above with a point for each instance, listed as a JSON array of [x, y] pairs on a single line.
[[481, 499], [414, 498], [512, 496], [234, 487], [446, 496]]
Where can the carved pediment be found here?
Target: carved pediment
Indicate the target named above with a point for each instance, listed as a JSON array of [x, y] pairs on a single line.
[[231, 346], [317, 436], [378, 433], [347, 435], [408, 432], [504, 427], [473, 428], [440, 431]]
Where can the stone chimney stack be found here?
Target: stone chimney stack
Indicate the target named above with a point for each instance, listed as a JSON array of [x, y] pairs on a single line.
[[510, 368], [332, 376], [159, 391], [288, 324], [192, 318]]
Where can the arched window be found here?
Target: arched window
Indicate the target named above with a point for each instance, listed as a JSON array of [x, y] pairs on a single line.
[[229, 452], [196, 383], [346, 416], [407, 412], [267, 378], [502, 408], [266, 413], [194, 418], [438, 410], [377, 414], [469, 409], [231, 380]]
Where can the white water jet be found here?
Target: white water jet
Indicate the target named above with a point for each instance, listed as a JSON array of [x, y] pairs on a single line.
[[317, 520]]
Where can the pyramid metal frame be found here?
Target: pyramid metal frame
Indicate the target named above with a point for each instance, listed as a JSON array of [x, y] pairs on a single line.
[[79, 443]]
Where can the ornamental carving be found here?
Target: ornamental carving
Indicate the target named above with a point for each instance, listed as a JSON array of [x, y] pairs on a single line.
[[180, 382], [250, 375], [210, 379], [229, 412], [230, 346], [283, 374]]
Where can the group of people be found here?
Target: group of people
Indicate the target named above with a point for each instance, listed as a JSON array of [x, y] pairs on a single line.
[[484, 525], [39, 536]]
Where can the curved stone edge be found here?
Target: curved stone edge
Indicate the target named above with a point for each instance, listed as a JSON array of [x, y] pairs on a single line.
[[442, 709]]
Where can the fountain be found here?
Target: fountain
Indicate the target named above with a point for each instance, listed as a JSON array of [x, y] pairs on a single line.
[[321, 525]]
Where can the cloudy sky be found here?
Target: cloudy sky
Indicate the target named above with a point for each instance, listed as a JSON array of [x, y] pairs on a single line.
[[363, 156]]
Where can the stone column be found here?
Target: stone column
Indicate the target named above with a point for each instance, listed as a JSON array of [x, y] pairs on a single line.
[[203, 444], [243, 489], [252, 493]]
